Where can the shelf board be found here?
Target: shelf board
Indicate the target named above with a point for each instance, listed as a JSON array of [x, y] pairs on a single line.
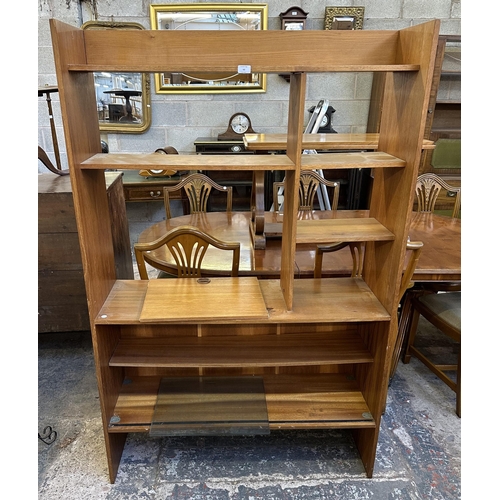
[[370, 159], [325, 300], [136, 161], [242, 351], [335, 230], [162, 68], [293, 401]]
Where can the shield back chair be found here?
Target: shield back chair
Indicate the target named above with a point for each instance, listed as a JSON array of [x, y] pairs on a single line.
[[310, 181], [188, 246], [443, 311], [197, 188], [427, 191], [357, 251]]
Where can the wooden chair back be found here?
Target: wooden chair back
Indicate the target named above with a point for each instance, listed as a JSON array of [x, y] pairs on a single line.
[[357, 249], [427, 191], [188, 246], [308, 187], [356, 253], [197, 188]]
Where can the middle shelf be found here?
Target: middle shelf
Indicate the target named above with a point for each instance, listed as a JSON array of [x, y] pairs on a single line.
[[315, 301], [242, 351], [136, 161]]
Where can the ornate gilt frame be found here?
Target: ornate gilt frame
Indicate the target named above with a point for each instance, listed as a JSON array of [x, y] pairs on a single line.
[[356, 12], [118, 127], [164, 86]]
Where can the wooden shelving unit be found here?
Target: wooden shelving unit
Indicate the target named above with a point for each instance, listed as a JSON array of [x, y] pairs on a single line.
[[322, 347]]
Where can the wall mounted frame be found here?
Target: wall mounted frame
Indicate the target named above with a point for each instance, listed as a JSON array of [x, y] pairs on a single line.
[[123, 99], [344, 18], [209, 16]]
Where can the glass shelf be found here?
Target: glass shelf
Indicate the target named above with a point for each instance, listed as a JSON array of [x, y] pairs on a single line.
[[203, 406]]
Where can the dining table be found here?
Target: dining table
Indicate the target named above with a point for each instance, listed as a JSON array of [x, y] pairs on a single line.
[[439, 262], [440, 259]]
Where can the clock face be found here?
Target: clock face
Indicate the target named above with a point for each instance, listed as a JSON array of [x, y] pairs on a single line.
[[324, 121], [240, 123]]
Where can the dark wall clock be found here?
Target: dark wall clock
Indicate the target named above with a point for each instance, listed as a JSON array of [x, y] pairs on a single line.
[[326, 123], [239, 125]]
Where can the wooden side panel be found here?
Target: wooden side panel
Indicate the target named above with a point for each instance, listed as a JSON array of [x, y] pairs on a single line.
[[406, 97], [105, 339], [401, 134], [120, 231], [293, 151], [81, 130]]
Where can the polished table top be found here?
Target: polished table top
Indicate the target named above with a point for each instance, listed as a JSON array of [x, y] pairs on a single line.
[[440, 259]]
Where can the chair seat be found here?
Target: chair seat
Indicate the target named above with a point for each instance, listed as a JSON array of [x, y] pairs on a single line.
[[443, 310], [445, 306]]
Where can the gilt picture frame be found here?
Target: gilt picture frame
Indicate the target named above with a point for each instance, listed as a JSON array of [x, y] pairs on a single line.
[[344, 18]]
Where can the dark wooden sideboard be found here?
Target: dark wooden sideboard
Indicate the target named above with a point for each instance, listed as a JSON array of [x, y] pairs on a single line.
[[62, 300]]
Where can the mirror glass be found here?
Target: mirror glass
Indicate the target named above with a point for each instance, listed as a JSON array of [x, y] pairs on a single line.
[[123, 99], [208, 16]]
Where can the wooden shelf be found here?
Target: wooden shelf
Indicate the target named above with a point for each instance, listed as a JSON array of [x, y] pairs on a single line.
[[137, 161], [372, 159], [335, 230], [246, 351], [317, 300], [293, 402], [134, 161], [321, 346]]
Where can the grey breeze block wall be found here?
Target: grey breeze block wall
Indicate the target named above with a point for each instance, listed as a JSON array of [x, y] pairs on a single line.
[[177, 120]]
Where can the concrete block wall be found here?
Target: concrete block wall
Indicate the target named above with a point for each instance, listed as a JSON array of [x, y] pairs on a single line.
[[178, 120]]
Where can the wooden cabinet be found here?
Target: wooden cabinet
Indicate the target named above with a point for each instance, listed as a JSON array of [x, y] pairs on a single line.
[[320, 349], [143, 188], [62, 301]]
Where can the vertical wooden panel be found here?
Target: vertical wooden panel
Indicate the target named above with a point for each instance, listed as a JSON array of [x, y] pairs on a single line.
[[406, 96], [294, 151], [81, 130]]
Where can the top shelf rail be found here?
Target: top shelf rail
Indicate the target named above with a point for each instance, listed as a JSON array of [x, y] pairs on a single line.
[[309, 51]]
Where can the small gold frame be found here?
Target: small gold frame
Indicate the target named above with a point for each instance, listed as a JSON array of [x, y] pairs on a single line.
[[331, 13], [145, 122]]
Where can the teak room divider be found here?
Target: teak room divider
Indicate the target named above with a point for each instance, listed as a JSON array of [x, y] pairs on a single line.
[[320, 348]]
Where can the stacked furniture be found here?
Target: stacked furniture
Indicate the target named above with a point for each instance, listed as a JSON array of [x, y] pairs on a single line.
[[62, 301], [318, 350]]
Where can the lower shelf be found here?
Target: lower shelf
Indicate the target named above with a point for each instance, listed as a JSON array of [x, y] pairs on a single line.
[[304, 401]]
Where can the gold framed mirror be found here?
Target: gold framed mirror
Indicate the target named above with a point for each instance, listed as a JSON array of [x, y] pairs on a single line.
[[209, 16], [123, 99]]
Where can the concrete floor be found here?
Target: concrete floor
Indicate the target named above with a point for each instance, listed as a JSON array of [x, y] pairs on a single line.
[[419, 451]]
